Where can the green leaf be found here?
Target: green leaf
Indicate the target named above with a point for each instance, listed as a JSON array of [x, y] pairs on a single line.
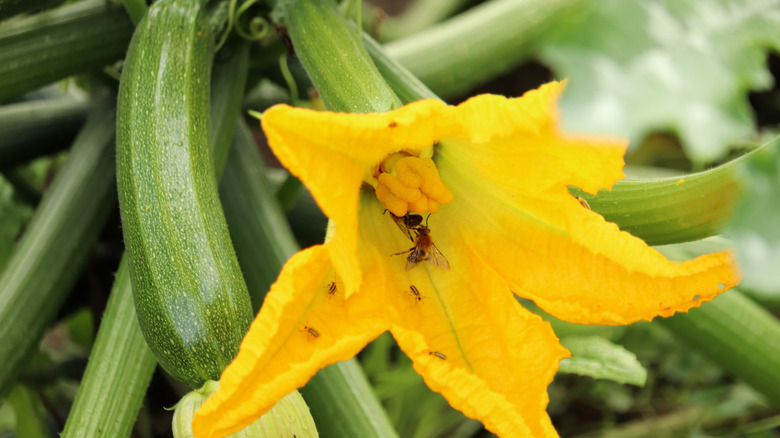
[[754, 224], [681, 65], [599, 358]]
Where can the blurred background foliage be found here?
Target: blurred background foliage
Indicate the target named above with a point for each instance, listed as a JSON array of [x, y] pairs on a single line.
[[692, 84]]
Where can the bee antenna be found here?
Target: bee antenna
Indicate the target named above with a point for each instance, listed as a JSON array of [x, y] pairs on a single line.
[[426, 219]]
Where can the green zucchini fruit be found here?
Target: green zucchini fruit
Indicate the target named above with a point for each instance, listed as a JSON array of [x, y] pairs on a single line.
[[191, 300]]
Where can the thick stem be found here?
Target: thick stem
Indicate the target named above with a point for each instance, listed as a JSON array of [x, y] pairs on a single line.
[[737, 334], [47, 47], [479, 44], [118, 373], [57, 242]]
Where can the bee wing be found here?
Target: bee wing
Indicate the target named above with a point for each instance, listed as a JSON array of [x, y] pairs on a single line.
[[437, 258], [416, 255], [404, 229]]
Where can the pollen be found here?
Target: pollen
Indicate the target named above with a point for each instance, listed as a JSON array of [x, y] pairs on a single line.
[[412, 184]]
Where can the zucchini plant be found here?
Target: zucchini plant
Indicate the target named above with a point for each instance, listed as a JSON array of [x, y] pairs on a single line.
[[59, 226]]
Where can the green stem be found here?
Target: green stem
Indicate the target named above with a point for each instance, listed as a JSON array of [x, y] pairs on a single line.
[[118, 373], [47, 47], [34, 129], [58, 240], [10, 8], [417, 16], [672, 210], [343, 403], [479, 44], [228, 84], [738, 335], [680, 422]]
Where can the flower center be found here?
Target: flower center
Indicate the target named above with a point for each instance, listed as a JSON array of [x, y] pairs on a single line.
[[408, 183]]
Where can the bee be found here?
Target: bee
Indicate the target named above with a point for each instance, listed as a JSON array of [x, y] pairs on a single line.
[[332, 288], [424, 249], [407, 223]]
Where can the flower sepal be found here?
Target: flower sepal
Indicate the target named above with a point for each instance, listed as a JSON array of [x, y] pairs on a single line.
[[290, 417]]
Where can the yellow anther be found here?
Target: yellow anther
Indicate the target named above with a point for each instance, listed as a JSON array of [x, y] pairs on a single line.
[[414, 181], [420, 205], [423, 173], [435, 189], [399, 189], [392, 202], [407, 172], [433, 206]]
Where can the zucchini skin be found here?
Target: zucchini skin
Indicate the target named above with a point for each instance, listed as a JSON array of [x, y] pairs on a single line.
[[191, 300]]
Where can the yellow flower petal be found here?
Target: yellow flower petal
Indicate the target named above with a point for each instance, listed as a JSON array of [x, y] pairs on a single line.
[[464, 331], [305, 324], [517, 142], [331, 153], [620, 278], [550, 248]]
